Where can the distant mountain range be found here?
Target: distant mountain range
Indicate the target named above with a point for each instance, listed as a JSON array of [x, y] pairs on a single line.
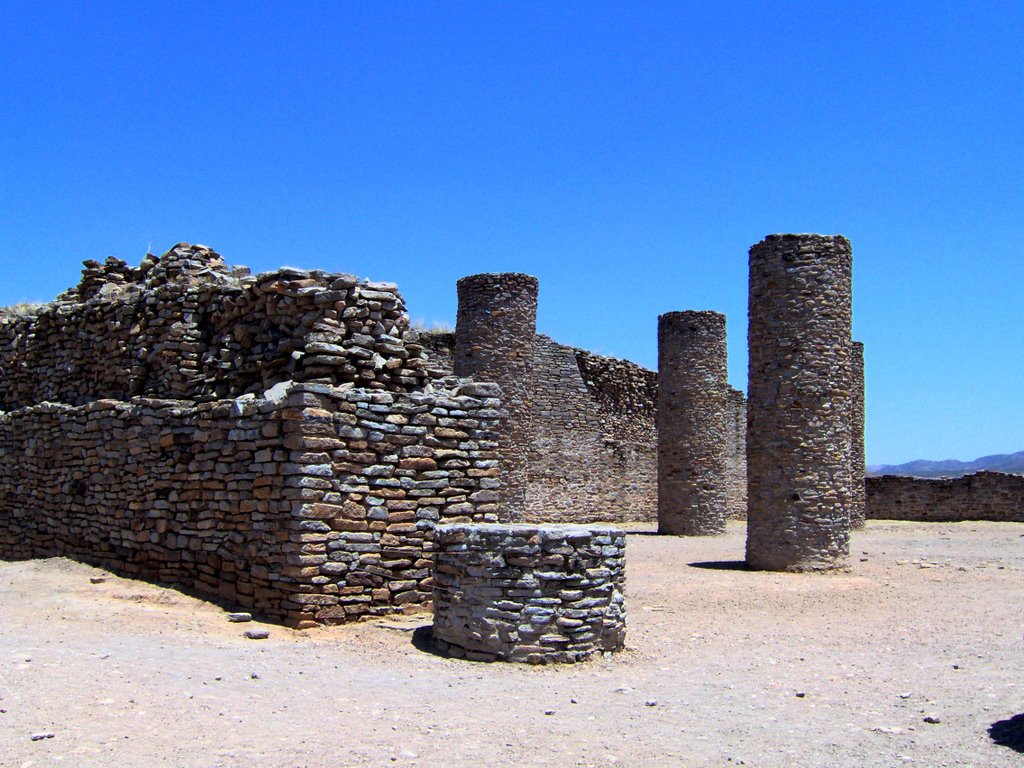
[[1001, 462]]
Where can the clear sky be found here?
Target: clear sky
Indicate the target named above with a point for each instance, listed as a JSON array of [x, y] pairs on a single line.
[[628, 154]]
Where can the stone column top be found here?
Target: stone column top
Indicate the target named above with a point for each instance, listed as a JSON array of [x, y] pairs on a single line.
[[693, 317], [808, 236], [526, 529], [499, 277]]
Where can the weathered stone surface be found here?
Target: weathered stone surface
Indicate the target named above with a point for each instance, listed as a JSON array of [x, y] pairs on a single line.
[[173, 491], [981, 496], [736, 455], [185, 326], [693, 424], [497, 321], [534, 594], [798, 429], [857, 468]]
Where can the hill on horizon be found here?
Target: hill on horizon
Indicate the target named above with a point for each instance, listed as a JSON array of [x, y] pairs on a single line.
[[1012, 463]]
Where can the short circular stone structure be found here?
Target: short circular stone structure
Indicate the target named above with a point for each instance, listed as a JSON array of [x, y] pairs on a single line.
[[528, 593]]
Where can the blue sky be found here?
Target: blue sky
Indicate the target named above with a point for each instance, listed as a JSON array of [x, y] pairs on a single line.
[[626, 154]]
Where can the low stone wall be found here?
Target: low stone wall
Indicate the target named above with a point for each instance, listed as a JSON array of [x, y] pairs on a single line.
[[315, 506], [528, 593], [981, 496]]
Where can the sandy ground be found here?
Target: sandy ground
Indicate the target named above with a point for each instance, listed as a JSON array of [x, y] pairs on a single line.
[[725, 667]]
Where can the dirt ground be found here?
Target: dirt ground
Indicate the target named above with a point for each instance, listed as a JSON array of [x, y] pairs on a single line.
[[724, 667]]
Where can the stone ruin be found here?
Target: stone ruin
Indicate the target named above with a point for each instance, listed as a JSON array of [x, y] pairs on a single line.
[[287, 443]]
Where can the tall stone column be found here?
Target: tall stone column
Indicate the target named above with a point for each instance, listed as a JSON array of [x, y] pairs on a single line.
[[494, 336], [799, 487], [858, 508], [693, 423]]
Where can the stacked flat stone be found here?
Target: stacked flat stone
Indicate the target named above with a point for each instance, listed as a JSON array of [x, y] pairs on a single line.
[[619, 385], [534, 594], [315, 505], [736, 456], [693, 423], [372, 474], [798, 430], [494, 337], [993, 496], [857, 463], [593, 449], [592, 454], [185, 326]]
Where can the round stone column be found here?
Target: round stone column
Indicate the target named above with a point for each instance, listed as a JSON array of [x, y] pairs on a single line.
[[494, 336], [693, 423], [858, 508], [799, 488]]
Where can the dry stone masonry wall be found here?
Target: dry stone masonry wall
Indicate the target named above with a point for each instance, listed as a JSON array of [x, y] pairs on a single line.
[[529, 594], [185, 326], [317, 506], [592, 456], [593, 450], [798, 428], [370, 476], [736, 455], [857, 463], [981, 496], [693, 423], [156, 489], [495, 329]]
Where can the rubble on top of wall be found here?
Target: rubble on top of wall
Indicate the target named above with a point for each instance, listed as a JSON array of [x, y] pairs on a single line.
[[182, 263], [185, 325]]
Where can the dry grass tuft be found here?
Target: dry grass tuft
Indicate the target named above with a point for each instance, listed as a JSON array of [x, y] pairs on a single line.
[[21, 309]]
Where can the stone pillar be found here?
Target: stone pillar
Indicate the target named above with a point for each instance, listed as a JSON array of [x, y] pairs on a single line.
[[858, 507], [494, 335], [798, 417], [736, 456], [693, 423]]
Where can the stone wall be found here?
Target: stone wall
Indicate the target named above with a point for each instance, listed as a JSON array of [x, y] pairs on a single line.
[[857, 461], [285, 442], [736, 456], [593, 453], [316, 506], [529, 594], [981, 496], [162, 490], [184, 326], [593, 457]]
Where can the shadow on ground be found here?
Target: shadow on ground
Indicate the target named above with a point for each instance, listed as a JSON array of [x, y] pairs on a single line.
[[422, 640], [1009, 733], [721, 565]]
